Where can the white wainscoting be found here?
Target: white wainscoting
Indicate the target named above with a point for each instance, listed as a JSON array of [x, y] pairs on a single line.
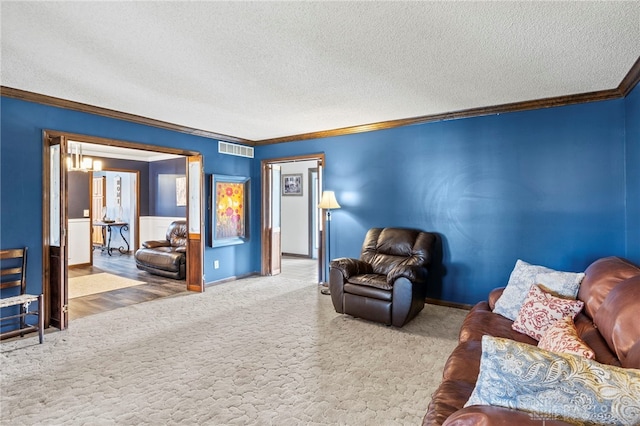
[[79, 248], [155, 227]]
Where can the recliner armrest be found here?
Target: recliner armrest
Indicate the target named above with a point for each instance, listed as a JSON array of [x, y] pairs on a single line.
[[415, 274], [350, 267], [181, 249], [156, 243]]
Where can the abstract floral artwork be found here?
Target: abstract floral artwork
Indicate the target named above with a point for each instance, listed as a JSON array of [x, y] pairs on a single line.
[[229, 210]]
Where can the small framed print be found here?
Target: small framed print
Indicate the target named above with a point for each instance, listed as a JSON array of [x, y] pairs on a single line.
[[292, 184]]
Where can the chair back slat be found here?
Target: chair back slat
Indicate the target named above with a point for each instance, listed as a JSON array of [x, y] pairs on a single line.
[[11, 253], [13, 269], [9, 284]]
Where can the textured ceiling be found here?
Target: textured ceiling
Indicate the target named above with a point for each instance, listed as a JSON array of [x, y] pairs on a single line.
[[260, 70]]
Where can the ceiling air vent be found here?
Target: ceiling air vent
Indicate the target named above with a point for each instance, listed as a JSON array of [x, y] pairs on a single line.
[[235, 149]]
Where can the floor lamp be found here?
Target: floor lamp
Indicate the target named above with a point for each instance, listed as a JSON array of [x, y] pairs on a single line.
[[328, 202]]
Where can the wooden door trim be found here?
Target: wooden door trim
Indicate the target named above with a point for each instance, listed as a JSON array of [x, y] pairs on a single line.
[[92, 214], [195, 243], [264, 202], [46, 229], [47, 249], [121, 143], [46, 135], [265, 215], [310, 173]]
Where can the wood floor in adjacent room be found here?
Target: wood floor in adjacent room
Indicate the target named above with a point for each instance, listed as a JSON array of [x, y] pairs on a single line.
[[155, 286]]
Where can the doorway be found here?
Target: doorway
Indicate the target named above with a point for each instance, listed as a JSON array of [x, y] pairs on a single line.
[[56, 219], [114, 196], [114, 279], [314, 224], [290, 224]]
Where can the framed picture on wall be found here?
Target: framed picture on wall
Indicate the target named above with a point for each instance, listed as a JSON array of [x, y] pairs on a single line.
[[229, 210], [292, 184]]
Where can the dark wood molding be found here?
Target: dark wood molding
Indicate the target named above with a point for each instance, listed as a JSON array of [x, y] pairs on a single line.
[[296, 255], [120, 143], [105, 112], [315, 156], [448, 304], [631, 79], [473, 112], [194, 276], [230, 279], [624, 88], [79, 265]]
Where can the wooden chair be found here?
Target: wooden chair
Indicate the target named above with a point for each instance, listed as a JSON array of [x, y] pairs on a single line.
[[13, 266]]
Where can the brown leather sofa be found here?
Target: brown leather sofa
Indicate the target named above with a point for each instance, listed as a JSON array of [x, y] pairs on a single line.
[[388, 283], [609, 324], [166, 257]]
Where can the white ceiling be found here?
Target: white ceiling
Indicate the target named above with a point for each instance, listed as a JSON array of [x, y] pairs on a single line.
[[260, 70]]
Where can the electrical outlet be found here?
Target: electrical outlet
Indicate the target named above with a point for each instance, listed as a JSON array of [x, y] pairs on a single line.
[[216, 264]]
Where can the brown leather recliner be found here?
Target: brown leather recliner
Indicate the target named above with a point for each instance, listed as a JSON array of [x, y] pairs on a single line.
[[388, 283], [166, 257]]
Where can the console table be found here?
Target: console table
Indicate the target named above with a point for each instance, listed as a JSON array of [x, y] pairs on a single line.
[[107, 228]]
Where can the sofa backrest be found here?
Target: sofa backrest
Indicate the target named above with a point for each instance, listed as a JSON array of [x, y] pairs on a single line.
[[385, 248], [600, 278], [177, 233], [618, 320], [610, 291]]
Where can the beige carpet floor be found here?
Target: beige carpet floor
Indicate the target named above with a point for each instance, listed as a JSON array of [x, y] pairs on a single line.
[[98, 283], [258, 351]]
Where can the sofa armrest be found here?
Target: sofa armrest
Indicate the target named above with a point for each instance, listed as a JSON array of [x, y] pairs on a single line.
[[350, 267], [494, 295], [181, 249], [415, 274], [156, 243]]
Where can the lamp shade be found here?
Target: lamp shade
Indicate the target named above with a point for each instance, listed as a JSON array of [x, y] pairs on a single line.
[[328, 201]]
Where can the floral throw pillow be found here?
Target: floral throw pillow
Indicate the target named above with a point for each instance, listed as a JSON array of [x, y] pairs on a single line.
[[562, 337], [541, 309], [564, 284], [521, 279], [554, 385]]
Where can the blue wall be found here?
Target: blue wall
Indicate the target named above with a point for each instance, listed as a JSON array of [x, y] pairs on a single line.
[[162, 190], [557, 187], [546, 186], [78, 185], [79, 197], [633, 173], [21, 165]]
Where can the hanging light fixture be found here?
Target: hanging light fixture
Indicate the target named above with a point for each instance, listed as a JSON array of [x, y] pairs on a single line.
[[76, 162]]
